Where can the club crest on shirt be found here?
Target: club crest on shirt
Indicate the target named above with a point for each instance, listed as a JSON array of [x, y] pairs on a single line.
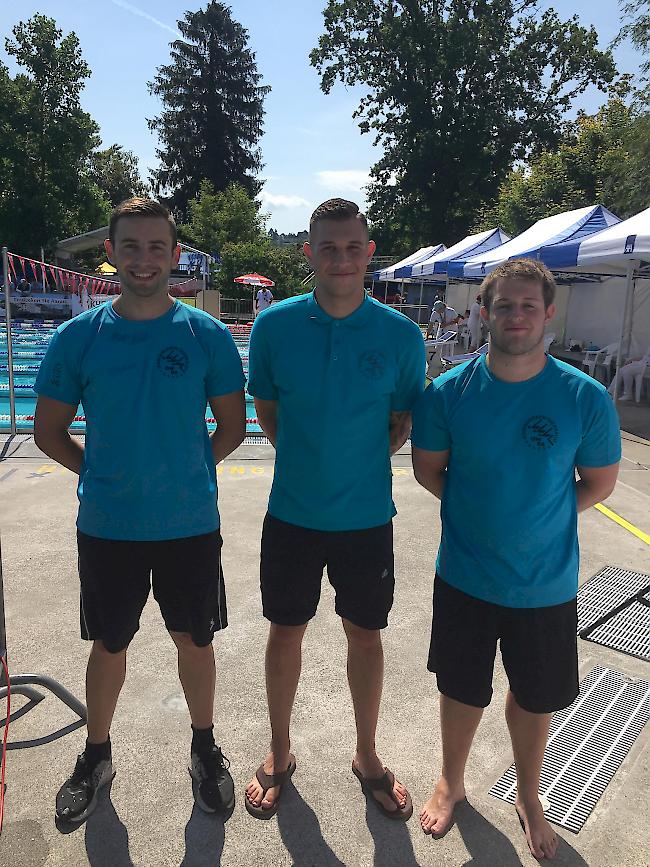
[[173, 361], [540, 432], [372, 363]]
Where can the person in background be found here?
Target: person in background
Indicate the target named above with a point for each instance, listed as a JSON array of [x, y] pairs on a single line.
[[263, 299], [443, 318], [474, 324]]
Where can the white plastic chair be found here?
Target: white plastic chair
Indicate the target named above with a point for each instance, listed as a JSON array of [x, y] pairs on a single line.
[[548, 339], [638, 379], [603, 356]]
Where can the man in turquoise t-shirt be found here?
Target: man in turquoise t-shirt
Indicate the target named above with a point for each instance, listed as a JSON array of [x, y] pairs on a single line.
[[145, 366], [498, 440], [334, 374]]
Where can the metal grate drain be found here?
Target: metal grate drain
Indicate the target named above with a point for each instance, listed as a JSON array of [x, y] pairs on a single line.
[[254, 440], [587, 743], [614, 610]]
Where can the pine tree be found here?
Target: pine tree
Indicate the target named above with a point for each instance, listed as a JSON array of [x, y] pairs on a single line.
[[213, 107]]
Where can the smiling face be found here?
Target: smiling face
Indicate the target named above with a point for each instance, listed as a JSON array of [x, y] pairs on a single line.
[[517, 316], [339, 252], [143, 254]]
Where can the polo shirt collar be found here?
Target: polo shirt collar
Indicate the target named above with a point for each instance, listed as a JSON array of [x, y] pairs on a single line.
[[357, 319]]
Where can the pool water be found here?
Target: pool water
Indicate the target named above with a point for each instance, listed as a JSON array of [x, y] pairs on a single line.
[[29, 342]]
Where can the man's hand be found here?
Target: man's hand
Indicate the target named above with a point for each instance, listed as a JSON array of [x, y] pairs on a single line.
[[399, 430]]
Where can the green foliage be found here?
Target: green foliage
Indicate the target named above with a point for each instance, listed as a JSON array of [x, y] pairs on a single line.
[[215, 218], [46, 192], [637, 29], [212, 114], [457, 91], [602, 158], [115, 171]]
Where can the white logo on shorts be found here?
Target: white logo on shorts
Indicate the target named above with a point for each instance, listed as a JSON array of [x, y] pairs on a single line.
[[384, 574]]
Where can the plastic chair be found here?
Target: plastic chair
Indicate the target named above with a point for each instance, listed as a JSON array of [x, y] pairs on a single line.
[[638, 379], [598, 356], [548, 339]]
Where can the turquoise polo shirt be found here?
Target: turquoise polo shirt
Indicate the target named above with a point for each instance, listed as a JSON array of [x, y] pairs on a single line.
[[336, 382], [148, 471], [509, 518]]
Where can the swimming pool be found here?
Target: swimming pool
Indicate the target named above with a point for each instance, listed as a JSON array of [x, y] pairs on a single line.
[[29, 340]]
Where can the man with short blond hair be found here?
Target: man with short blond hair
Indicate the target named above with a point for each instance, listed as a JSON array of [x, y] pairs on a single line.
[[498, 440]]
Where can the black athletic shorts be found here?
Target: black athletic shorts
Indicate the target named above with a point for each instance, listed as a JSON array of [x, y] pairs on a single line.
[[360, 568], [116, 577], [538, 648]]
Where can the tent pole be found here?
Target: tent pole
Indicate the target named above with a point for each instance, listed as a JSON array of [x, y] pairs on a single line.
[[386, 292], [619, 355]]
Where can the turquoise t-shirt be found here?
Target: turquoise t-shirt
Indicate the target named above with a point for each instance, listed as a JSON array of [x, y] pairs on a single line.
[[148, 470], [336, 382], [509, 518]]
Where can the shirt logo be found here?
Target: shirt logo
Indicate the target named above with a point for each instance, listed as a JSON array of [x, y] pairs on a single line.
[[540, 432], [173, 361], [372, 364]]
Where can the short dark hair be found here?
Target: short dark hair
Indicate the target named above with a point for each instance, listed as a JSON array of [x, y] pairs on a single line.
[[141, 207], [520, 269], [337, 209]]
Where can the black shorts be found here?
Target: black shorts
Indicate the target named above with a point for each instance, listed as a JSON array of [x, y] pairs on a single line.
[[360, 567], [116, 577], [538, 648]]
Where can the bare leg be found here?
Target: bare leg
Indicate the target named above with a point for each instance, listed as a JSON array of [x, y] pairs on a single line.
[[529, 733], [366, 677], [197, 676], [283, 663], [458, 724], [105, 675]]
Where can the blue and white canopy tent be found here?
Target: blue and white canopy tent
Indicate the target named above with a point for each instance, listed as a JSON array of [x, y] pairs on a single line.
[[568, 226], [391, 273], [471, 245], [621, 249]]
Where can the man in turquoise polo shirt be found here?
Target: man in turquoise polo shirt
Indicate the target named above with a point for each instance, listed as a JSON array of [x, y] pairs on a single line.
[[145, 366], [499, 440], [334, 374]]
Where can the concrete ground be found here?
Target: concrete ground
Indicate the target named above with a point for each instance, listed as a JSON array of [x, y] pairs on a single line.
[[148, 818]]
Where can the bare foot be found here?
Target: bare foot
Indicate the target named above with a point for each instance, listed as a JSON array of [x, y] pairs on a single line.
[[254, 792], [371, 768], [437, 813], [541, 838]]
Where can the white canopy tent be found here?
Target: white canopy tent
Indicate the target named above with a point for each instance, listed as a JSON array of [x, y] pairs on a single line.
[[623, 248]]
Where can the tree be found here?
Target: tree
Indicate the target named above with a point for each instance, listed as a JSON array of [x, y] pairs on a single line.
[[602, 158], [215, 218], [456, 92], [115, 171], [286, 267], [637, 30], [211, 122], [45, 141]]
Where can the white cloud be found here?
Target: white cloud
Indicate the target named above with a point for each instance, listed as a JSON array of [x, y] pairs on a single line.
[[129, 7], [281, 201], [345, 181]]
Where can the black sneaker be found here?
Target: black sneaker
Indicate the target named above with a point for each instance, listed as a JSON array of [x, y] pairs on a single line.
[[77, 797], [212, 785]]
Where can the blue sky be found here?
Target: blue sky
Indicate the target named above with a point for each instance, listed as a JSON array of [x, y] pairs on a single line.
[[312, 148]]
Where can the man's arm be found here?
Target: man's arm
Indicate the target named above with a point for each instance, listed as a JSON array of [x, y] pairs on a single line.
[[51, 422], [430, 469], [594, 485], [399, 429], [267, 417], [229, 411]]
